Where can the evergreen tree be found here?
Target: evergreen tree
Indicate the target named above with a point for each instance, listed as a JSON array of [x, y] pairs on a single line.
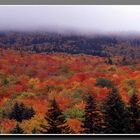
[[56, 121], [17, 130], [109, 61], [116, 114], [98, 122], [87, 125], [134, 111], [28, 112], [20, 112]]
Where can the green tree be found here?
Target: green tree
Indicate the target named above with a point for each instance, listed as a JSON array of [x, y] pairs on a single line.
[[74, 113], [56, 121], [21, 112], [115, 113], [98, 122], [134, 111], [103, 82], [88, 124]]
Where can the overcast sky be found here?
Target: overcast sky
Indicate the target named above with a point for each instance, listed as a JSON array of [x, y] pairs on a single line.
[[81, 18]]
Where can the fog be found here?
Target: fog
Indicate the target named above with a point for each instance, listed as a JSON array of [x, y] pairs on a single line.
[[86, 18]]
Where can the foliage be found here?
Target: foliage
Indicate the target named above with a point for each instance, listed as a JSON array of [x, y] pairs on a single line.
[[77, 93], [116, 115], [27, 94], [88, 124], [35, 78], [103, 82], [21, 112], [56, 121], [74, 113]]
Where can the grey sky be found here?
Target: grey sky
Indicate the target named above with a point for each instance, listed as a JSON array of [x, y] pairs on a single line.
[[83, 18]]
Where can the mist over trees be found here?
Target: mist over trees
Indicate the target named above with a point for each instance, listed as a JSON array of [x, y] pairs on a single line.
[[109, 46]]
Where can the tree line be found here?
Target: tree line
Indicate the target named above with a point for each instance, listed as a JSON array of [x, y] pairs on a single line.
[[114, 117], [46, 42]]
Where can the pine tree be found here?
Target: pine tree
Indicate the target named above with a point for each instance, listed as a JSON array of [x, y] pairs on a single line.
[[98, 122], [134, 111], [109, 61], [87, 125], [56, 121], [20, 112], [116, 114], [17, 130]]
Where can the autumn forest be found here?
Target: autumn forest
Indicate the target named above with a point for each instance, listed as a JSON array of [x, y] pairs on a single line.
[[53, 83]]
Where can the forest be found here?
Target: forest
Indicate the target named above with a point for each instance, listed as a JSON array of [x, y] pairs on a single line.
[[69, 84]]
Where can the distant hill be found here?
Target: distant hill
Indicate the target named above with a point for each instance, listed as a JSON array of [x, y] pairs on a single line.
[[99, 45]]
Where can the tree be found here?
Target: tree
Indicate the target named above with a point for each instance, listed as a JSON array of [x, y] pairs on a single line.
[[74, 113], [17, 130], [109, 61], [115, 113], [134, 112], [88, 117], [20, 112], [103, 82], [56, 121], [98, 122]]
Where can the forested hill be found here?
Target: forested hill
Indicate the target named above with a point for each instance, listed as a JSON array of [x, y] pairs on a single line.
[[45, 42]]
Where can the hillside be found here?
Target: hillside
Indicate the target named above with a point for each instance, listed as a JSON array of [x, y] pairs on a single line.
[[34, 79]]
